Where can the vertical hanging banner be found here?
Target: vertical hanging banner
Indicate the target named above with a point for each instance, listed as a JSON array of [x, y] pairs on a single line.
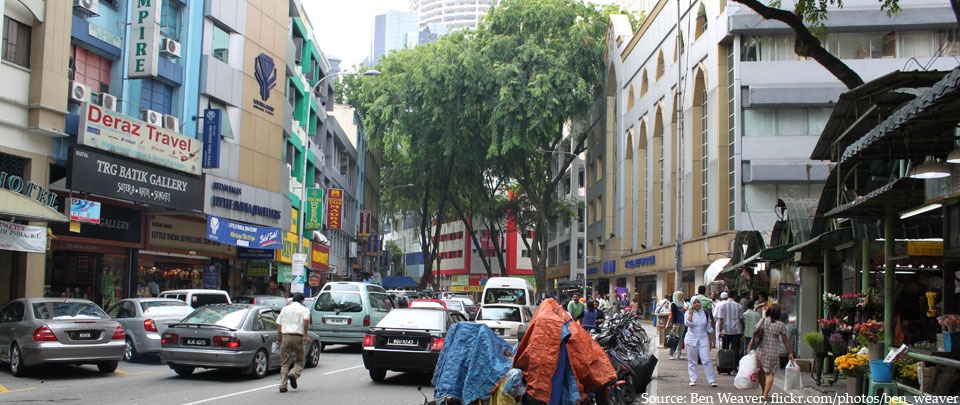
[[211, 137], [335, 208], [364, 226], [373, 245], [299, 273], [144, 50], [313, 217]]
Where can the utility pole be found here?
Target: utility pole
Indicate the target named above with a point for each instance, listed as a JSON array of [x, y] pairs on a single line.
[[678, 271]]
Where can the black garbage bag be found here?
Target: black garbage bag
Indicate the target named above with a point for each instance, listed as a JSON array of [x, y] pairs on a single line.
[[644, 372]]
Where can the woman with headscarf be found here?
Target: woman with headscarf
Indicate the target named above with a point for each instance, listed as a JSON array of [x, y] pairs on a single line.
[[698, 342], [676, 322]]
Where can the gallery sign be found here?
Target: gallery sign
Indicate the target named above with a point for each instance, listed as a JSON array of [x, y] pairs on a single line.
[[144, 49], [23, 238], [118, 224], [99, 173], [245, 235], [124, 135], [335, 208]]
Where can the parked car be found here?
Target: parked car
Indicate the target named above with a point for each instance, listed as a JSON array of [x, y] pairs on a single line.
[[267, 300], [198, 297], [457, 305], [144, 320], [407, 339], [469, 304], [344, 311], [228, 336], [505, 319], [37, 331], [427, 303]]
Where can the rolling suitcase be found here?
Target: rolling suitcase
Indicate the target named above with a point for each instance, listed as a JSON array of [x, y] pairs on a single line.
[[726, 361]]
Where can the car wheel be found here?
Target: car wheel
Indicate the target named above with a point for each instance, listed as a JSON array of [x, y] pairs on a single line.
[[183, 370], [313, 355], [130, 351], [17, 367], [377, 374], [260, 364], [107, 366]]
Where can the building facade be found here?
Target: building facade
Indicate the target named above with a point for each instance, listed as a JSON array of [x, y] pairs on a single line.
[[390, 31], [454, 14]]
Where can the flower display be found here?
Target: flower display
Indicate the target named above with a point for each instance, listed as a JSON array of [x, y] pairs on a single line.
[[831, 299], [869, 300], [853, 364], [869, 331], [838, 344], [828, 324], [850, 300], [906, 370]]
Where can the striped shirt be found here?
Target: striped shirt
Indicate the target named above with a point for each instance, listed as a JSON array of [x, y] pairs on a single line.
[[732, 313]]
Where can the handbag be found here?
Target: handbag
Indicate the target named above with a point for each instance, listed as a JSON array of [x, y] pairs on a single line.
[[671, 341], [758, 334]]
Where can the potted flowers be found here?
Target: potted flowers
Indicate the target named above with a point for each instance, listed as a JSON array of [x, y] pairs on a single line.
[[850, 300], [854, 365], [828, 325], [831, 302], [869, 334]]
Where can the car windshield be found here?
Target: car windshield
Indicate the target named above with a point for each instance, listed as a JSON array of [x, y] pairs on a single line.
[[338, 302], [406, 318], [165, 308], [68, 310], [454, 304], [503, 296], [499, 314], [227, 316]]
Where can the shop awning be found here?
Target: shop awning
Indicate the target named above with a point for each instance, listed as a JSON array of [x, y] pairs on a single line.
[[922, 126], [770, 254], [898, 195], [714, 269], [398, 282], [21, 207], [824, 240]]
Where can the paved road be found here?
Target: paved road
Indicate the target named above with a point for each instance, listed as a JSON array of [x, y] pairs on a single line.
[[339, 379]]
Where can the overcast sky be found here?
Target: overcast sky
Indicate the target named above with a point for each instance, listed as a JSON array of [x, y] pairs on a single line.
[[344, 28]]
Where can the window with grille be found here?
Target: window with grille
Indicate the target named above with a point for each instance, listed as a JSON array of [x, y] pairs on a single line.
[[704, 159], [157, 96], [91, 69], [16, 42], [13, 165]]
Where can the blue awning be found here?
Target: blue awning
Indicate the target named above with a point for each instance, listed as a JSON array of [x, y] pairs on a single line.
[[398, 282]]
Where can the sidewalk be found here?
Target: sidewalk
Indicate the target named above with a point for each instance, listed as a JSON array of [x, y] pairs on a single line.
[[670, 385]]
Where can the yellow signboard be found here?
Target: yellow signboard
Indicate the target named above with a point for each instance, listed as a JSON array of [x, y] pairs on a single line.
[[290, 240], [925, 248], [466, 288], [256, 269]]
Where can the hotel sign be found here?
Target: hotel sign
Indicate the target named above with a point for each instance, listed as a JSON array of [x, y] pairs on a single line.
[[128, 136], [144, 50], [335, 208]]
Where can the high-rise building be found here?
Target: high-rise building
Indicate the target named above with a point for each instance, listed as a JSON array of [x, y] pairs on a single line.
[[390, 33], [455, 14]]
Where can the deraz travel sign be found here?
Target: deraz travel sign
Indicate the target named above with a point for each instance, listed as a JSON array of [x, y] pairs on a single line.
[[245, 235], [128, 136]]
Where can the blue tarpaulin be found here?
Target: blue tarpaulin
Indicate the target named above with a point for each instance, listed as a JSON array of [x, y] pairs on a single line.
[[397, 282], [471, 363]]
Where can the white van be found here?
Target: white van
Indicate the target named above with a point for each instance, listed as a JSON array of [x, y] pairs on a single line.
[[509, 290], [198, 297]]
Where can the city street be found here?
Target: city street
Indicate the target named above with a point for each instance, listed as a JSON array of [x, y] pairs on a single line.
[[339, 379]]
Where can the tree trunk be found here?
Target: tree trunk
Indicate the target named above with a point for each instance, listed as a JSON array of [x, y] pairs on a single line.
[[808, 45]]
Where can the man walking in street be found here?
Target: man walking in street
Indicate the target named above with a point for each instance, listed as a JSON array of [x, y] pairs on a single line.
[[575, 307], [292, 326], [730, 323]]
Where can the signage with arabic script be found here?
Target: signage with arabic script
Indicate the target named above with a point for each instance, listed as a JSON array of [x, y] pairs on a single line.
[[335, 208], [239, 234], [128, 136]]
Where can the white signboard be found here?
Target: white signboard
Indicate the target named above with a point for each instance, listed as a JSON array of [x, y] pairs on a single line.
[[299, 272], [128, 136], [23, 238], [144, 50]]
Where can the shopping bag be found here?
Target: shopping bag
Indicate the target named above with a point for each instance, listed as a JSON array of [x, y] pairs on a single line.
[[748, 375], [791, 377]]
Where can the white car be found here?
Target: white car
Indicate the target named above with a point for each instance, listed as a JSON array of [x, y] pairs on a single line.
[[504, 319]]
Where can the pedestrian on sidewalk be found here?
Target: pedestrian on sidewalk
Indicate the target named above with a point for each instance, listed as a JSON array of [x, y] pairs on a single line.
[[768, 351], [699, 343], [575, 307], [730, 324], [590, 316], [292, 326], [676, 322], [751, 317], [661, 309]]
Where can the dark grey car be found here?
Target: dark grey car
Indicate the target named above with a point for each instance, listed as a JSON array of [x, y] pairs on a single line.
[[144, 320], [37, 331], [230, 336]]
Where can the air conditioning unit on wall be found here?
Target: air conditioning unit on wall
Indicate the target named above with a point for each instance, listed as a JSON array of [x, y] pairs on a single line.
[[170, 47], [108, 101], [153, 118], [86, 7], [79, 92], [171, 122]]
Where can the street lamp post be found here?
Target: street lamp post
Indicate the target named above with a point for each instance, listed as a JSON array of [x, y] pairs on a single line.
[[301, 221], [583, 163]]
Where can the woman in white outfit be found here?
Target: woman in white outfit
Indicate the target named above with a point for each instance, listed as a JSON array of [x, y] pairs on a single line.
[[698, 342]]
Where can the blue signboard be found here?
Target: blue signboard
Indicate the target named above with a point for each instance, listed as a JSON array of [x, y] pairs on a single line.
[[211, 137], [609, 267], [211, 276], [244, 235]]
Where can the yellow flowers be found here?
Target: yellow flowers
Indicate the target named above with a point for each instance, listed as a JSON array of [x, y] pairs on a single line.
[[909, 372], [853, 364]]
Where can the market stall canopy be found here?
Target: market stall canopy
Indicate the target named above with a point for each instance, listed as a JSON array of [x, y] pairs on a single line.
[[398, 282], [21, 207], [714, 269], [898, 195]]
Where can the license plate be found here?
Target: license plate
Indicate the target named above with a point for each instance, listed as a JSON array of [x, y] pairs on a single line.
[[86, 335], [336, 321], [196, 342], [500, 331], [402, 342]]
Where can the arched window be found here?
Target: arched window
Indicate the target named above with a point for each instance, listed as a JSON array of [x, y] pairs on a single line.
[[660, 64], [643, 82], [630, 98], [702, 151], [701, 21]]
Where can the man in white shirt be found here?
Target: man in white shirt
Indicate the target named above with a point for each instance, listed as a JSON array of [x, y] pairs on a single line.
[[292, 326], [730, 323]]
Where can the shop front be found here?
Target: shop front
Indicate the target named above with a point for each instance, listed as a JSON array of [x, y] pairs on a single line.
[[178, 254], [93, 260]]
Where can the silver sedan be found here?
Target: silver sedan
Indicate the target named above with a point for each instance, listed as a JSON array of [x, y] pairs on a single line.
[[144, 319], [37, 331], [229, 336]]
